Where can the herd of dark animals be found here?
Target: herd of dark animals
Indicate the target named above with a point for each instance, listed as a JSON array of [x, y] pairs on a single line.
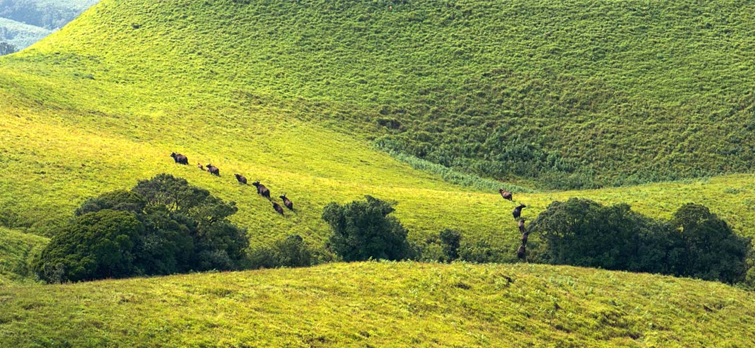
[[517, 213], [265, 192], [261, 189]]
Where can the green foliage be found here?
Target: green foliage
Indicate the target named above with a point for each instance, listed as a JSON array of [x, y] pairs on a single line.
[[96, 245], [162, 226], [696, 244], [363, 231], [450, 240], [713, 250], [288, 252]]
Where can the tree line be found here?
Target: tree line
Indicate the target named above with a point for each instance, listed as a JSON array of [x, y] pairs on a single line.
[[165, 225]]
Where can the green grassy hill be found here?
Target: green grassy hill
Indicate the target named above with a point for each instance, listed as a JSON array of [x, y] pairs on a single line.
[[383, 305], [101, 103], [307, 96], [568, 94]]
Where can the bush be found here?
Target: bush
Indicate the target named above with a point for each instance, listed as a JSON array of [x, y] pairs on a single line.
[[450, 240], [94, 246], [714, 251], [363, 230], [162, 226], [696, 243], [289, 252]]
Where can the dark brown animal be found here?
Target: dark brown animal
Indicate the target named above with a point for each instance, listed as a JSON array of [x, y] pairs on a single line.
[[241, 179], [518, 211], [200, 166], [525, 236], [521, 252], [287, 202], [213, 170], [278, 208], [506, 195], [262, 190], [521, 226], [179, 158]]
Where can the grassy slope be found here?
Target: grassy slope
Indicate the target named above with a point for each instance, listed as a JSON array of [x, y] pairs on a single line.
[[15, 250], [626, 90], [381, 305], [100, 104]]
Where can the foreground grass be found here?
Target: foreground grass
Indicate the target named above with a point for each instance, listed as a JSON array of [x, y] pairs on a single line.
[[381, 305]]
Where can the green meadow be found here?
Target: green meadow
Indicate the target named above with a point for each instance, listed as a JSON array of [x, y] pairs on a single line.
[[432, 104]]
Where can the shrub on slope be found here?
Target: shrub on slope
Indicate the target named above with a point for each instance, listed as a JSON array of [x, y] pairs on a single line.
[[163, 226], [696, 243], [363, 231]]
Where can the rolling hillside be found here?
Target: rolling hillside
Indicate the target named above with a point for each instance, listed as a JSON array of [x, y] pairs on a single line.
[[102, 103], [383, 305], [567, 95], [333, 100]]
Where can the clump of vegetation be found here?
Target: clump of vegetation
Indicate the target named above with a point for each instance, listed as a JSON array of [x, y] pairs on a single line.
[[288, 252], [696, 243], [362, 230], [162, 226]]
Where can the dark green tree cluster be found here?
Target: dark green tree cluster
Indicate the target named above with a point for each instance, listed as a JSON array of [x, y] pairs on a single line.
[[362, 230], [696, 243], [162, 226]]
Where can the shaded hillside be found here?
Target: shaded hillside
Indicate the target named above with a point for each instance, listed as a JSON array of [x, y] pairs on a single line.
[[16, 249], [383, 304], [569, 94]]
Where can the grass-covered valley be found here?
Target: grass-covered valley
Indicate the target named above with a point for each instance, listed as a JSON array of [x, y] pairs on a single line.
[[431, 104]]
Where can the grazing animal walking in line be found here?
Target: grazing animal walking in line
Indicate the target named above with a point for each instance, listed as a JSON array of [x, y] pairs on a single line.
[[287, 202], [240, 178], [521, 226], [200, 166], [278, 208], [213, 170], [262, 190], [506, 195], [525, 236], [179, 158], [518, 211], [521, 252]]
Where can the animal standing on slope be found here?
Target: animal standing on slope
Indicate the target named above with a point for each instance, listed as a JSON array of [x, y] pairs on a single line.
[[521, 252], [287, 202], [278, 208], [200, 166], [261, 189], [518, 211], [506, 195], [213, 170], [525, 236], [521, 225], [179, 158], [241, 179]]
